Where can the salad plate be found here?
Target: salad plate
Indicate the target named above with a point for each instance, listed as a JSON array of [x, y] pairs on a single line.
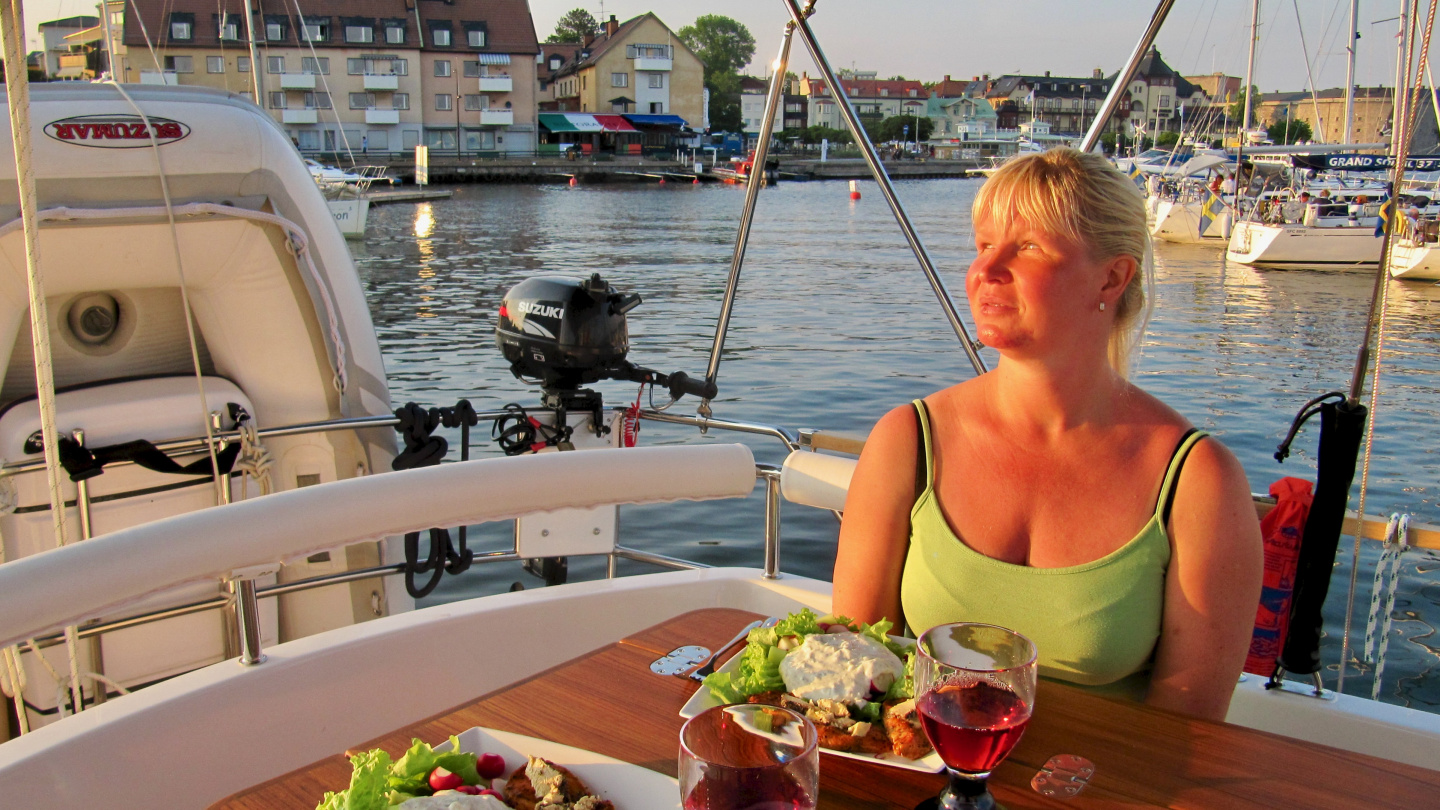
[[629, 787], [704, 699]]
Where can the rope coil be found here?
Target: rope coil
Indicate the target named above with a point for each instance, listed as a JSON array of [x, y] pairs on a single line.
[[1387, 580]]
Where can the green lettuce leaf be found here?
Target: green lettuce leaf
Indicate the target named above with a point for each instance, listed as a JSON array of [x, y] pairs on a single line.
[[367, 784], [720, 685], [411, 774], [904, 686]]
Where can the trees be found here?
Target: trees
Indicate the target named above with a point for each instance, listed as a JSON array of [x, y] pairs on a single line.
[[723, 47], [898, 128], [573, 27], [1237, 107], [1292, 131], [1167, 139]]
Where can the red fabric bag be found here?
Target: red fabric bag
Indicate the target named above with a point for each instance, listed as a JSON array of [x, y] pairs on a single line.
[[1281, 528]]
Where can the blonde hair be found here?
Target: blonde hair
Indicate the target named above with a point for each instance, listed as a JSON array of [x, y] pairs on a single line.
[[1083, 197]]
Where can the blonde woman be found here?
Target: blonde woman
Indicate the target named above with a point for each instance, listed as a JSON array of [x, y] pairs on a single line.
[[1051, 495]]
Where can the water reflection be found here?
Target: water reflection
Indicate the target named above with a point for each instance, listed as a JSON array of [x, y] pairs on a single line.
[[834, 325]]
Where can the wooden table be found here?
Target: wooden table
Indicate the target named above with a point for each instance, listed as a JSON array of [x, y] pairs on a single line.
[[609, 702]]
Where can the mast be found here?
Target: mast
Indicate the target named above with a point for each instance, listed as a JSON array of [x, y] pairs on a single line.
[[1350, 72], [1249, 82], [254, 58]]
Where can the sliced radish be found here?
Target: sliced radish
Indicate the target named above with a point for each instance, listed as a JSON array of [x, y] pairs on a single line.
[[490, 766], [441, 779]]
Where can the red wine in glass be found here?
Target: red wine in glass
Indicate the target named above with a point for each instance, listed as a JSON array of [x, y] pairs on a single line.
[[765, 789], [973, 726]]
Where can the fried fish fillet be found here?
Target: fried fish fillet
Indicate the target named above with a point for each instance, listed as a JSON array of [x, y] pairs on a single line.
[[520, 790], [902, 723]]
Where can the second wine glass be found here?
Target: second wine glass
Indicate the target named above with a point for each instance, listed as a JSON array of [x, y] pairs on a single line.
[[974, 690]]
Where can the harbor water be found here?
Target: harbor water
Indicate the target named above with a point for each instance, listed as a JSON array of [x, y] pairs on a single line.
[[834, 325]]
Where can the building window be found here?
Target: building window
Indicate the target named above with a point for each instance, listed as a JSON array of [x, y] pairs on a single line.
[[310, 64], [442, 139], [476, 102], [242, 64], [274, 64], [362, 101], [440, 34], [214, 64], [657, 107], [315, 30], [619, 79], [359, 33], [229, 30], [277, 99], [657, 81], [442, 67], [472, 69], [649, 52], [395, 34], [555, 62], [180, 64], [309, 140], [475, 38], [400, 101], [444, 101], [274, 31], [317, 101], [182, 26]]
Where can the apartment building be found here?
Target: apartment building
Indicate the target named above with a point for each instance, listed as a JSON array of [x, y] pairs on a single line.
[[871, 98], [639, 68], [358, 76]]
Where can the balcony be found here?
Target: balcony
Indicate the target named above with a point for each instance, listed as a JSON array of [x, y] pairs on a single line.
[[496, 84], [158, 77], [297, 81], [309, 116], [382, 116], [382, 81], [499, 118], [653, 63]]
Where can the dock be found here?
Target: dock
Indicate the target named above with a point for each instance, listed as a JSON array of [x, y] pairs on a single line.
[[408, 195]]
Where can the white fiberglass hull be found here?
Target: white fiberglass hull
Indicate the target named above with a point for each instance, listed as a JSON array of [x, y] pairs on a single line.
[[350, 214], [1415, 261], [1180, 223], [1299, 246]]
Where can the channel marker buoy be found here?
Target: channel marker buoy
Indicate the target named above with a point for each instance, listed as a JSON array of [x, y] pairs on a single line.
[[854, 190]]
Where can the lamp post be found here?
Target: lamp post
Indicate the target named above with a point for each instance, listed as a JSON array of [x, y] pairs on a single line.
[[458, 141]]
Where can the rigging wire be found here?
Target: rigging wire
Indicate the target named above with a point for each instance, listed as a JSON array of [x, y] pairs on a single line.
[[1309, 75], [324, 82], [149, 43], [1403, 140]]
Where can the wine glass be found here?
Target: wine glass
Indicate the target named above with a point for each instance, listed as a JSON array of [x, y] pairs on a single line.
[[974, 690], [749, 757]]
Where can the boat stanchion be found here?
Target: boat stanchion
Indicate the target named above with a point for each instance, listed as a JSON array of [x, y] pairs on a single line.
[[247, 611], [771, 475]]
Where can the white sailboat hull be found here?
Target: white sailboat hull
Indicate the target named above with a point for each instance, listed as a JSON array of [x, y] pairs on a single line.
[[1180, 223], [1415, 261], [1299, 246], [350, 214]]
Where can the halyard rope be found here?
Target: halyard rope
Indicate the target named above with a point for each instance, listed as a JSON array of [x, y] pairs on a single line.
[[1397, 542], [12, 31]]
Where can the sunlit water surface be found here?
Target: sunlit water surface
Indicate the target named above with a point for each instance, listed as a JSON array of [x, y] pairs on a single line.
[[834, 325]]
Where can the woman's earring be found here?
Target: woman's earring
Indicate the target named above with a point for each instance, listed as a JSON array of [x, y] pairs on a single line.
[[1102, 306]]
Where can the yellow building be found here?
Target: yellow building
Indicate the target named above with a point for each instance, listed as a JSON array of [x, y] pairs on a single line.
[[1374, 108], [369, 77], [636, 67]]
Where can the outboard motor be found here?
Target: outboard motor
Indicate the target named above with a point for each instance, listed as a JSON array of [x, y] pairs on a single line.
[[569, 332], [565, 332]]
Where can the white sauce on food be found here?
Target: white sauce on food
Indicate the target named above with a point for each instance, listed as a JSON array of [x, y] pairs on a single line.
[[839, 666], [454, 801]]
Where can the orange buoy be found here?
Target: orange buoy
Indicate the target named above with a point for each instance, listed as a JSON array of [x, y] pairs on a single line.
[[854, 190], [695, 182], [573, 181], [662, 181]]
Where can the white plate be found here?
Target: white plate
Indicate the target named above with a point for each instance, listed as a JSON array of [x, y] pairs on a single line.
[[628, 786], [930, 763]]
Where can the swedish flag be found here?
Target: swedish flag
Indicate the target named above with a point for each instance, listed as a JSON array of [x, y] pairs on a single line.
[[1387, 212], [1210, 211], [1134, 175]]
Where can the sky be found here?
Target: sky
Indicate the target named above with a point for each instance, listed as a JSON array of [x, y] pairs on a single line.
[[928, 39]]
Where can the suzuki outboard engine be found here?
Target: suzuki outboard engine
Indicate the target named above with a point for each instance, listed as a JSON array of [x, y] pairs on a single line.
[[565, 332]]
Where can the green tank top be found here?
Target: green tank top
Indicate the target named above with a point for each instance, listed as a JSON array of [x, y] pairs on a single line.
[[1093, 624]]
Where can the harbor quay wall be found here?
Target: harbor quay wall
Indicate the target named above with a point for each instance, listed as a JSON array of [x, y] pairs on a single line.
[[646, 170]]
